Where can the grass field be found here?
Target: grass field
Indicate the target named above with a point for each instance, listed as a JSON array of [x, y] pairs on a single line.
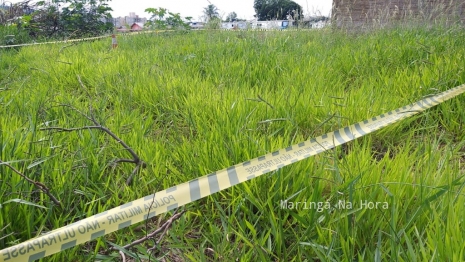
[[191, 103]]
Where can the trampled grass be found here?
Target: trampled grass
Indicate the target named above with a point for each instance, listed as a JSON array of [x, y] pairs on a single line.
[[190, 103]]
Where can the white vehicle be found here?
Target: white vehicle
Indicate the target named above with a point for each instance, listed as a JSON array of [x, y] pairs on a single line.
[[196, 25], [235, 25], [273, 24]]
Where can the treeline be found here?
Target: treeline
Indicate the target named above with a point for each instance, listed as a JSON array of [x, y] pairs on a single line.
[[277, 9], [54, 19]]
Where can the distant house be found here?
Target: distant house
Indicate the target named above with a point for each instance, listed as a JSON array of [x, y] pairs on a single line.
[[365, 12], [137, 27], [122, 29]]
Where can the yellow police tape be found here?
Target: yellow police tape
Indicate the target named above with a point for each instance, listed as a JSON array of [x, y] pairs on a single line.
[[128, 34], [55, 42], [171, 198], [81, 39]]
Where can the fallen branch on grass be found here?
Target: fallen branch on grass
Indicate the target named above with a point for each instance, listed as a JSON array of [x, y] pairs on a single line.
[[162, 229], [68, 63], [123, 257], [66, 46], [41, 186], [135, 158]]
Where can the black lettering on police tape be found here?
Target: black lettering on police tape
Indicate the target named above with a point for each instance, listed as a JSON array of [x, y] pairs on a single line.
[[159, 202], [303, 151], [39, 243], [6, 254], [154, 203], [324, 145], [125, 214], [267, 164], [285, 157], [381, 122], [69, 233], [87, 227]]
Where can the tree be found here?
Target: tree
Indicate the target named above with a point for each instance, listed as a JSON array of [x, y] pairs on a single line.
[[86, 17], [231, 17], [78, 18], [277, 9], [176, 22], [211, 11], [158, 20], [9, 12], [213, 23]]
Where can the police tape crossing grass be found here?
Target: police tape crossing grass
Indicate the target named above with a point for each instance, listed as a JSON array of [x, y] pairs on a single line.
[[55, 42], [81, 39], [126, 34], [171, 198]]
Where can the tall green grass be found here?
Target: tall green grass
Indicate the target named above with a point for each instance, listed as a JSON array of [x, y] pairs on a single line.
[[190, 103], [10, 35]]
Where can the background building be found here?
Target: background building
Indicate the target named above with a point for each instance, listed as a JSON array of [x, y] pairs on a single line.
[[127, 21]]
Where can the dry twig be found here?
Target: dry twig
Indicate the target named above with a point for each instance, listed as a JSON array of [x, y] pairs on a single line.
[[41, 186], [66, 46], [162, 229], [123, 257], [135, 158]]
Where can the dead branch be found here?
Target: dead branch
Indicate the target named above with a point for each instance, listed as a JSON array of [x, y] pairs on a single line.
[[77, 110], [266, 102], [41, 186], [162, 229], [260, 99], [122, 160], [135, 158], [134, 172], [38, 69], [66, 46], [165, 228], [123, 257], [61, 129], [68, 63], [10, 73]]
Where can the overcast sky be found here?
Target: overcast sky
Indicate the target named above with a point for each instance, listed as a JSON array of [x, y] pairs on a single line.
[[194, 8]]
